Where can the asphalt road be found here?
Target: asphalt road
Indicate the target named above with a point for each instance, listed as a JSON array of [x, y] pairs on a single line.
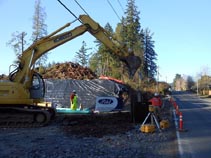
[[196, 142]]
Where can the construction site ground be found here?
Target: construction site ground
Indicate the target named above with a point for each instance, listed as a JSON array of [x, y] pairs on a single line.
[[105, 135]]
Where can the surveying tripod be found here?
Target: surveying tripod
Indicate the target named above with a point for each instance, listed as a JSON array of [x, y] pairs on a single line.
[[151, 114]]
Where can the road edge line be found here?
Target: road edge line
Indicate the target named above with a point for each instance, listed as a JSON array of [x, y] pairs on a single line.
[[181, 152]]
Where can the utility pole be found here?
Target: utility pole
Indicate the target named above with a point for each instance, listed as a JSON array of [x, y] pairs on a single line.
[[157, 85], [197, 86]]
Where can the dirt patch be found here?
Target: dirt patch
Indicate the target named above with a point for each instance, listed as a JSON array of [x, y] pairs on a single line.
[[98, 125]]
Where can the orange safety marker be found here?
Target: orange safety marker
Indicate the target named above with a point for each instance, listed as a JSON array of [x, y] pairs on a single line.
[[180, 121], [181, 129]]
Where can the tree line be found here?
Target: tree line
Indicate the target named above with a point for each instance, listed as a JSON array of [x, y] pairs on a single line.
[[201, 85]]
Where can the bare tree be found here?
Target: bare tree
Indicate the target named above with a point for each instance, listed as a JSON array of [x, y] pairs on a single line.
[[18, 43], [205, 70], [39, 28]]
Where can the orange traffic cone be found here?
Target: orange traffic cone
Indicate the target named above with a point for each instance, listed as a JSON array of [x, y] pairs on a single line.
[[181, 129]]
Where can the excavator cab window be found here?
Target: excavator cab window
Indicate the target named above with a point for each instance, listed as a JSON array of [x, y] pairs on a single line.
[[37, 90], [35, 83]]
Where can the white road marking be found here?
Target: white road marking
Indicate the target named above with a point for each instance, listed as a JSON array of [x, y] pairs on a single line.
[[181, 152]]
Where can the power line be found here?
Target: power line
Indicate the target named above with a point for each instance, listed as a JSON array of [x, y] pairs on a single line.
[[121, 5], [69, 10], [113, 9], [81, 7]]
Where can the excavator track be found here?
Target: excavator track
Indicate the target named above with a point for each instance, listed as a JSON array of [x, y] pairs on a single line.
[[25, 116]]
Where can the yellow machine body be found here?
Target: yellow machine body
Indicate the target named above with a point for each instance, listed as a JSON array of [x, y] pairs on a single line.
[[14, 93]]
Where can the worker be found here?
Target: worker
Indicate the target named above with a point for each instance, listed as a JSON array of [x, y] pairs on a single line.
[[73, 100], [157, 103], [120, 101]]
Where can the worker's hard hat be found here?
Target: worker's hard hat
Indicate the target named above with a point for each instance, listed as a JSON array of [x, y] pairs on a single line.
[[74, 91], [156, 94]]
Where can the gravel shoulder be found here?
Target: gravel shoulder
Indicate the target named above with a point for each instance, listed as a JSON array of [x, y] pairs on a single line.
[[95, 136]]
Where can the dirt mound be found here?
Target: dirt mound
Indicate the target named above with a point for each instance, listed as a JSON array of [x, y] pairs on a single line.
[[69, 70]]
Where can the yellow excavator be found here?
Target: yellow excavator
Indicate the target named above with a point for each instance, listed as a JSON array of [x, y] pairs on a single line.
[[25, 89]]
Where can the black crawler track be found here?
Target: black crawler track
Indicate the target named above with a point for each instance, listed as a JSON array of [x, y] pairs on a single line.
[[25, 116]]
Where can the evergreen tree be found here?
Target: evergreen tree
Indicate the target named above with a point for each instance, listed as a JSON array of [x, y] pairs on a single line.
[[106, 63], [39, 28], [150, 67], [131, 34], [95, 64], [110, 63], [82, 56]]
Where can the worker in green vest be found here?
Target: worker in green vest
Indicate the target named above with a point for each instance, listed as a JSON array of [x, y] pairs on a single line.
[[73, 100]]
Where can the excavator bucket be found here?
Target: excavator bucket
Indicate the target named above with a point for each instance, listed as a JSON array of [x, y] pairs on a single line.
[[133, 63]]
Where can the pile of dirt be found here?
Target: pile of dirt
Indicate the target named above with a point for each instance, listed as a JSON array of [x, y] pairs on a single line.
[[69, 70]]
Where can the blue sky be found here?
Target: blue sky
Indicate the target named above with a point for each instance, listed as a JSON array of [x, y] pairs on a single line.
[[182, 30]]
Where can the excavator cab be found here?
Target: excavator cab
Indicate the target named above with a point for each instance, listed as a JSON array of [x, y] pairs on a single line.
[[37, 90]]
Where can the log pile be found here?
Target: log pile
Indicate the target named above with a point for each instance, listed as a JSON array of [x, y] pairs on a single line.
[[69, 70]]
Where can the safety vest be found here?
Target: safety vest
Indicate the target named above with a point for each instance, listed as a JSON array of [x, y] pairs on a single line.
[[73, 103]]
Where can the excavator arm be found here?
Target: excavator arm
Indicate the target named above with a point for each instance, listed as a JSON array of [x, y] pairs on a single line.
[[40, 47]]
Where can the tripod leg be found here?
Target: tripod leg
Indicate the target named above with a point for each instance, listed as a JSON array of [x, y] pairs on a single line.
[[156, 121], [152, 120], [145, 119]]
